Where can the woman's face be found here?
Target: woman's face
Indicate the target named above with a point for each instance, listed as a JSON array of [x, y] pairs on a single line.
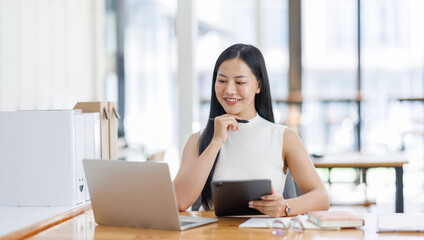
[[236, 87]]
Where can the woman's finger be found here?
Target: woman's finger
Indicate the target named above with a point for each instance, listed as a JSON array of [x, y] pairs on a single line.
[[272, 197], [274, 203], [271, 211], [227, 120]]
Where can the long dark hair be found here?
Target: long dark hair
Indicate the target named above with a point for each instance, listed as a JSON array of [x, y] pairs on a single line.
[[252, 56]]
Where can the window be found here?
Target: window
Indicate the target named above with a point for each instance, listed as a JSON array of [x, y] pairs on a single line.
[[329, 75], [329, 51], [342, 111], [392, 73], [150, 69]]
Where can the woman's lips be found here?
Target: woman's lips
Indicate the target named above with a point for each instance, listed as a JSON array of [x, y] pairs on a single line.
[[231, 101]]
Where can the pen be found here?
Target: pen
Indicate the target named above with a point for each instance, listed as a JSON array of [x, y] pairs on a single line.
[[239, 121]]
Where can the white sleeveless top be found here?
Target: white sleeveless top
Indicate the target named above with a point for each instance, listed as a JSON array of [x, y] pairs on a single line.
[[253, 152]]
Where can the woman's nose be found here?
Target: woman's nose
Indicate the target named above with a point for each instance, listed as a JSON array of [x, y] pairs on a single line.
[[231, 87]]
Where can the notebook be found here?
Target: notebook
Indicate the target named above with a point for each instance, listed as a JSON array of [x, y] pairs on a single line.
[[135, 194], [340, 219]]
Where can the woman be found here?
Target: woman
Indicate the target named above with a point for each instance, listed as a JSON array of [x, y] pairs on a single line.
[[230, 150]]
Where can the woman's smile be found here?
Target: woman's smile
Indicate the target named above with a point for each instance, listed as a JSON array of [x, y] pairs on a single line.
[[231, 101]]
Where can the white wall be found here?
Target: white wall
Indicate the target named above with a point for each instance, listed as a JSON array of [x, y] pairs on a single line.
[[51, 53]]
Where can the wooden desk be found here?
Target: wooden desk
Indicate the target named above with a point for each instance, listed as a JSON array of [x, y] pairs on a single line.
[[364, 162], [84, 227], [22, 222]]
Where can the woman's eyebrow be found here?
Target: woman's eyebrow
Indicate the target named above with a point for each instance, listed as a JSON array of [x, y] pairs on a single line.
[[238, 76]]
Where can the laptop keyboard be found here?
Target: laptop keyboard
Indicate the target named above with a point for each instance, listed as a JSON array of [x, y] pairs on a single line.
[[185, 223], [187, 220]]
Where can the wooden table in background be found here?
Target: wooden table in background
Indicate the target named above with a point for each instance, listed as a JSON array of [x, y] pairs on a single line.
[[364, 162]]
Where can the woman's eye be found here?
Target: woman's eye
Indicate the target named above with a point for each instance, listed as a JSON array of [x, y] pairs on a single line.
[[240, 83], [221, 81]]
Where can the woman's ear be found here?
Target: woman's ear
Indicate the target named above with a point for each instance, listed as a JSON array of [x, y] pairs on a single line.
[[258, 90]]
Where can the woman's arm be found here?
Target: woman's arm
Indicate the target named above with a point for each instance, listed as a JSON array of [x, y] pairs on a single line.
[[195, 169], [315, 195], [193, 172]]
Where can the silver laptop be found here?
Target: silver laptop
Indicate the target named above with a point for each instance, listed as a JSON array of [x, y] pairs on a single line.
[[135, 194]]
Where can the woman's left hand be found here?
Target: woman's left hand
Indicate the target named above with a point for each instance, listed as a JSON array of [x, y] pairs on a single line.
[[272, 205]]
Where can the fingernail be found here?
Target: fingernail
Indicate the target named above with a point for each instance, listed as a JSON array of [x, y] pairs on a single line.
[[262, 197]]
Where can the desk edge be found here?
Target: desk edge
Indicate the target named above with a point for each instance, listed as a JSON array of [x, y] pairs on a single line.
[[45, 224]]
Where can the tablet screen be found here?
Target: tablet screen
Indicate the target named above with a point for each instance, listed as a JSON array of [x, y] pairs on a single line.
[[232, 197]]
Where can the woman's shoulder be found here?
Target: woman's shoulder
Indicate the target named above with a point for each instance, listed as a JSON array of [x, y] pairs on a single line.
[[192, 142], [291, 139], [195, 136], [290, 133]]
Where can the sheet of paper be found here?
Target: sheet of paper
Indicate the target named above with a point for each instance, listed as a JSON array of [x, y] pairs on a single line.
[[248, 216], [400, 222], [265, 222]]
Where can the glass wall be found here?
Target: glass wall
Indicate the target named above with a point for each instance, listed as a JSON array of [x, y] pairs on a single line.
[[275, 41], [329, 75], [150, 68], [374, 105], [329, 58], [336, 115], [392, 73]]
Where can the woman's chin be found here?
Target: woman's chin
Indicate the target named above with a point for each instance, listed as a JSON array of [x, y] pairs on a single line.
[[231, 111]]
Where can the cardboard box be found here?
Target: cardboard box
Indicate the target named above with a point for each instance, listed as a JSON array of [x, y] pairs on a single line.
[[113, 130]]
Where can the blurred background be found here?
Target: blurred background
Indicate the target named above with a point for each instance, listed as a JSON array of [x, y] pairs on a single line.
[[347, 75]]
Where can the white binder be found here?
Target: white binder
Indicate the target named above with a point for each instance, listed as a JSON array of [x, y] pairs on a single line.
[[41, 156], [92, 141], [81, 186]]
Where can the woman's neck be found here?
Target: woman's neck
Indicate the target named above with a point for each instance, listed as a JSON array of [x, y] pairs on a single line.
[[248, 116]]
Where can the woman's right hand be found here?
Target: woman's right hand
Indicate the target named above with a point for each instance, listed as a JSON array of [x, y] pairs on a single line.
[[222, 126]]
